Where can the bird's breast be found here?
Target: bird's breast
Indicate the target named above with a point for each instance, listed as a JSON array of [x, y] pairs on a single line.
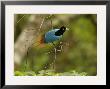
[[51, 37]]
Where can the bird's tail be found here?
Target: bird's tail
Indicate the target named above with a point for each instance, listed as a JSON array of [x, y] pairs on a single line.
[[39, 42]]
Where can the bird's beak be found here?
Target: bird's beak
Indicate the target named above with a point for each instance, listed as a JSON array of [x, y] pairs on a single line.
[[67, 29]]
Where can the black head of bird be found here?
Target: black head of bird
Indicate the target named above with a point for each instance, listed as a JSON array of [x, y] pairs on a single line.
[[60, 31]]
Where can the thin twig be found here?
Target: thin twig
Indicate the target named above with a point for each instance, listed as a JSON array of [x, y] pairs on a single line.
[[43, 21], [41, 24], [20, 19]]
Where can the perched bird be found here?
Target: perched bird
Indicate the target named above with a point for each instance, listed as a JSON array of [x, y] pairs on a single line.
[[54, 35], [51, 36]]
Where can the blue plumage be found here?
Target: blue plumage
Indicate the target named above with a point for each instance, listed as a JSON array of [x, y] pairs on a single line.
[[51, 37]]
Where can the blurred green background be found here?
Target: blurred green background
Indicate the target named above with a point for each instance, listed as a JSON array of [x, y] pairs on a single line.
[[73, 55]]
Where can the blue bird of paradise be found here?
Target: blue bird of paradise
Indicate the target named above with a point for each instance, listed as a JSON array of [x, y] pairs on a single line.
[[54, 35], [51, 36]]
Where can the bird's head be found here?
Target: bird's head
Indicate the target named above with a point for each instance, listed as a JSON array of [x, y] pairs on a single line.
[[61, 31]]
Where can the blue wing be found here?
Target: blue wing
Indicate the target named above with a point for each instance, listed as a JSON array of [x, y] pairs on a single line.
[[51, 37]]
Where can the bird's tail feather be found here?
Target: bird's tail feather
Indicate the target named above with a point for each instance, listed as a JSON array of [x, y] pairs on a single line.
[[39, 42]]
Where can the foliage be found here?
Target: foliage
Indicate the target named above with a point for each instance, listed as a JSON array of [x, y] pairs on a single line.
[[49, 73]]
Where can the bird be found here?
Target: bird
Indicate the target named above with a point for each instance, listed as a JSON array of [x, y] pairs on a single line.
[[54, 35], [51, 36]]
